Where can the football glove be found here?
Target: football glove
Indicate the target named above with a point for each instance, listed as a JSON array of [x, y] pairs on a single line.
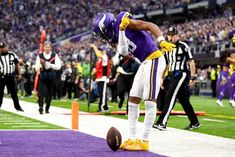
[[166, 46], [125, 22]]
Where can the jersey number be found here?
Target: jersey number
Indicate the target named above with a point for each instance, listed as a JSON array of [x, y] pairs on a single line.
[[132, 47]]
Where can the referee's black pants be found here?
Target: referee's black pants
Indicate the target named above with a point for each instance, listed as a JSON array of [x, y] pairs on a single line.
[[9, 81], [178, 89], [45, 91]]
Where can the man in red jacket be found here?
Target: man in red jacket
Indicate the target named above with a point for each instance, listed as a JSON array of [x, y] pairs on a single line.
[[102, 76]]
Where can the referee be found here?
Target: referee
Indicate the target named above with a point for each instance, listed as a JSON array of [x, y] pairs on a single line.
[[181, 67], [8, 62]]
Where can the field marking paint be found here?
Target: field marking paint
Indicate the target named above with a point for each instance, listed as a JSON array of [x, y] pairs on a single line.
[[221, 116], [214, 120], [30, 126], [22, 123], [16, 121], [182, 116]]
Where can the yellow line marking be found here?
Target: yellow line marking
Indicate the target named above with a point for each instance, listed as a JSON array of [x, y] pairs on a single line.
[[221, 116]]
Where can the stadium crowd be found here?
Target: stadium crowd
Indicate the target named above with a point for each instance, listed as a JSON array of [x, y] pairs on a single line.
[[21, 22]]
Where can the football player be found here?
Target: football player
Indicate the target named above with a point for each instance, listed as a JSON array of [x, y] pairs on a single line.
[[132, 38]]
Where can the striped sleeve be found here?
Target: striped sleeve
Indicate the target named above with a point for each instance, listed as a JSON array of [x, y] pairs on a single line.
[[187, 51], [16, 59]]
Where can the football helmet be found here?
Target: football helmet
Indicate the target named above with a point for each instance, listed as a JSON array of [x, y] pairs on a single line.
[[103, 26]]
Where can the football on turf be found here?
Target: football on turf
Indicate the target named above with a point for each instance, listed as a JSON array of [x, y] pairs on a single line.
[[114, 139]]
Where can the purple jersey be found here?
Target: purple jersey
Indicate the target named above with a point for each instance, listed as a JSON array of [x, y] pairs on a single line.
[[141, 44]]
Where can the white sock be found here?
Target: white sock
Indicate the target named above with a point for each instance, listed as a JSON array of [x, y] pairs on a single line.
[[133, 115], [150, 115]]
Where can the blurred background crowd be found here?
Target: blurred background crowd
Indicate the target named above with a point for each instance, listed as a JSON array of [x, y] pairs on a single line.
[[22, 20]]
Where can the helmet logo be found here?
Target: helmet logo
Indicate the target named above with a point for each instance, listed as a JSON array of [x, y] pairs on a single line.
[[101, 23]]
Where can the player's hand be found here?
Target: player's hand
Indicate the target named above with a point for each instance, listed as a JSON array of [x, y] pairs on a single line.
[[125, 22], [166, 46]]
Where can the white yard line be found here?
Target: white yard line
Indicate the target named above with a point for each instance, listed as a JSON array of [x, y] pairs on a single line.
[[29, 126], [19, 123], [173, 142]]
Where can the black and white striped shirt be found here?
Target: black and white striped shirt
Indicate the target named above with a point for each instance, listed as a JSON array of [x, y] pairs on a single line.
[[177, 59], [8, 62]]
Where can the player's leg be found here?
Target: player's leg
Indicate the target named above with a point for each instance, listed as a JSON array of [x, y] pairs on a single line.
[[224, 79], [151, 91], [232, 92], [152, 72], [136, 94]]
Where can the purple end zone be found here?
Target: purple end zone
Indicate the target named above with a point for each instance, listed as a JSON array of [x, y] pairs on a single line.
[[59, 144]]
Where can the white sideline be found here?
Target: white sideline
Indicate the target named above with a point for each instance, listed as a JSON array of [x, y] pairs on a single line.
[[173, 142]]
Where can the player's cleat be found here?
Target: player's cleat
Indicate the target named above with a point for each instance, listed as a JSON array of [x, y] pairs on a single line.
[[138, 145], [125, 143], [191, 127], [161, 127], [232, 103], [219, 103]]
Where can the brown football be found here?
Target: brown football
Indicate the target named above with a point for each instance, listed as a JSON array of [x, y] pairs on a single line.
[[114, 139]]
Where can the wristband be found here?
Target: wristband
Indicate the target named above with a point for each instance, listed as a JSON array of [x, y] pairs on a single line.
[[160, 39], [193, 78]]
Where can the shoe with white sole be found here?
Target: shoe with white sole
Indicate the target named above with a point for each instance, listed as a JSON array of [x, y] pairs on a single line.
[[219, 103], [232, 103]]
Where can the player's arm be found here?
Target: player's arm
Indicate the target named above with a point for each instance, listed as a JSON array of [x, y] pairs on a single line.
[[147, 26], [144, 25]]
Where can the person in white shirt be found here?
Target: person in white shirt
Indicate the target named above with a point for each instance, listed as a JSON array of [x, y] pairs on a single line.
[[46, 64]]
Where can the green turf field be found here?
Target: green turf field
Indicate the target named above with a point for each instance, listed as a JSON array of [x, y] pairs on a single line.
[[219, 121], [11, 121]]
